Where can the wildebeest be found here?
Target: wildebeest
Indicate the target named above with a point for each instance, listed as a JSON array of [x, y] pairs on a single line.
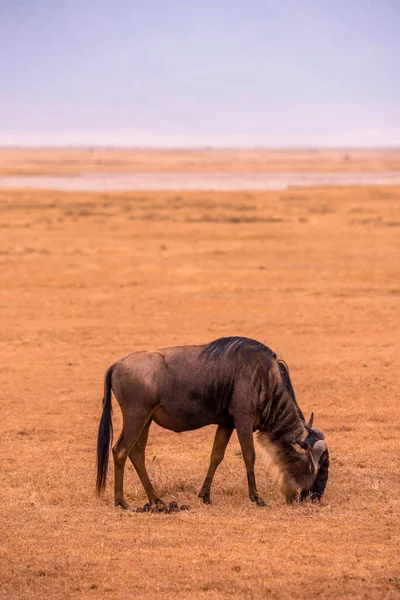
[[233, 382]]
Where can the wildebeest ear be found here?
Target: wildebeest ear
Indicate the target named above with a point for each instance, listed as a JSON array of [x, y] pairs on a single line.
[[311, 421]]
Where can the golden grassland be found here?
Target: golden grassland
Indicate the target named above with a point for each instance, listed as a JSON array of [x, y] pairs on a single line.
[[89, 277], [74, 161]]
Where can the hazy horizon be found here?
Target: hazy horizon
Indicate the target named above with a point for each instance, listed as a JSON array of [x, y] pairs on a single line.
[[171, 74], [199, 147]]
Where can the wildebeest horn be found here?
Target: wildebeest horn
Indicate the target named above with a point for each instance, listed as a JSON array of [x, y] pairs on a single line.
[[311, 421], [316, 452]]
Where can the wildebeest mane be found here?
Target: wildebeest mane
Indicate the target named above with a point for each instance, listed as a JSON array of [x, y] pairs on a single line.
[[284, 371], [233, 346]]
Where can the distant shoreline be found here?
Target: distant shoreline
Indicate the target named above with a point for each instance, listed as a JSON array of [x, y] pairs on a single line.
[[81, 161], [185, 180]]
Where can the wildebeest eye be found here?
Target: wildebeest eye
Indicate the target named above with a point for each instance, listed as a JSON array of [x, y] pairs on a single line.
[[304, 445]]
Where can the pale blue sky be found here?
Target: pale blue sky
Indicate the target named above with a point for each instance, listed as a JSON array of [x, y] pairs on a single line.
[[200, 72]]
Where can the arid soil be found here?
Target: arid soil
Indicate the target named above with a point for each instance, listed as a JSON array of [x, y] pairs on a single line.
[[73, 161], [87, 278]]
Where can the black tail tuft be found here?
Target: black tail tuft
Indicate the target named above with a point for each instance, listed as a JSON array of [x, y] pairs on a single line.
[[105, 434]]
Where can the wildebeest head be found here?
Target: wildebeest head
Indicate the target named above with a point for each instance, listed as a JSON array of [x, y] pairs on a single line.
[[300, 472], [319, 460], [311, 483]]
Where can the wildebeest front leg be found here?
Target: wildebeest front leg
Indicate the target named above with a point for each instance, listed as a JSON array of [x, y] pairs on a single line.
[[222, 437], [246, 440]]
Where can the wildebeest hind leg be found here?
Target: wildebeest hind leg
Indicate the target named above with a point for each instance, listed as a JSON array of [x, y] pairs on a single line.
[[222, 437], [137, 456], [246, 440], [130, 434]]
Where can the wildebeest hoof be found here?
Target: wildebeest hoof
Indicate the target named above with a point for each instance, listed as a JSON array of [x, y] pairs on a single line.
[[124, 505], [260, 502], [310, 497], [206, 498]]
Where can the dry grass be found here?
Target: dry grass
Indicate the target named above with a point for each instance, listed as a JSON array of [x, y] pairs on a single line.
[[64, 161], [87, 278]]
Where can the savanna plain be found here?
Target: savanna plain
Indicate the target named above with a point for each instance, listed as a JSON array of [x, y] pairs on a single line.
[[89, 277]]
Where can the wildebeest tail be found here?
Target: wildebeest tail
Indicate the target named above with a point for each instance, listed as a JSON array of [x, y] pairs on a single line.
[[105, 434]]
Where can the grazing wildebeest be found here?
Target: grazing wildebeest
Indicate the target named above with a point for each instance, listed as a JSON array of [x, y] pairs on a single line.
[[233, 382]]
